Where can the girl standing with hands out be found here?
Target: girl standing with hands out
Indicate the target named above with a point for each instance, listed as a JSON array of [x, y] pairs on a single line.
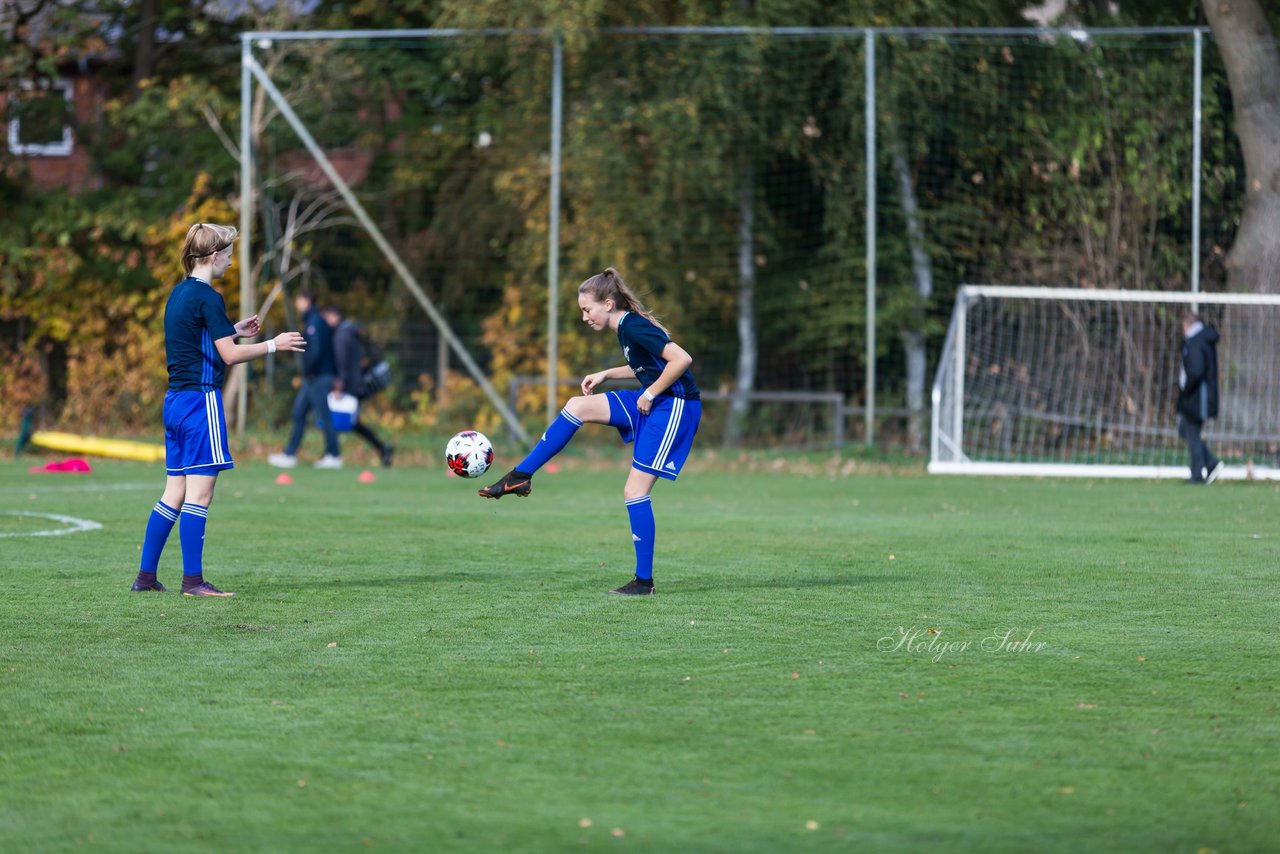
[[661, 418], [199, 342]]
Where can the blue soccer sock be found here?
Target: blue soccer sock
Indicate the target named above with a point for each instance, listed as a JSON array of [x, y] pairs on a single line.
[[642, 534], [191, 532], [552, 442], [158, 527]]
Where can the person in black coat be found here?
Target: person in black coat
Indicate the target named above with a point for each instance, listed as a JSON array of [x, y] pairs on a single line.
[[1198, 395]]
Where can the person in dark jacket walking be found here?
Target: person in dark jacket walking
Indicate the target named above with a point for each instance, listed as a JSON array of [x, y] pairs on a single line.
[[349, 355], [318, 372], [1198, 395]]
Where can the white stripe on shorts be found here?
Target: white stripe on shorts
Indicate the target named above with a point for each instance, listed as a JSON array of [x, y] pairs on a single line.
[[673, 428], [215, 426]]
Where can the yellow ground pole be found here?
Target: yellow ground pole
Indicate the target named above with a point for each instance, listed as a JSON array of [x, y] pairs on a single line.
[[124, 449]]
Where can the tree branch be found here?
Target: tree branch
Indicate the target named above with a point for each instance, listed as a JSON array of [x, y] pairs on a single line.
[[216, 126]]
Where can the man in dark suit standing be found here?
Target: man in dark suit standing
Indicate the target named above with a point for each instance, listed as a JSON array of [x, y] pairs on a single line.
[[1198, 395]]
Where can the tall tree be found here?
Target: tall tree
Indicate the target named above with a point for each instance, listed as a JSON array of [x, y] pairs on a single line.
[[1252, 57]]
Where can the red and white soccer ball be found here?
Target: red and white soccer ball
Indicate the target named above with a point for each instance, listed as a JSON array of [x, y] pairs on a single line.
[[469, 454]]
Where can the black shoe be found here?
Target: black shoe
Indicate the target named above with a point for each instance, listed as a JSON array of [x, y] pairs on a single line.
[[139, 586], [635, 587], [1194, 481], [512, 483], [387, 452], [204, 588]]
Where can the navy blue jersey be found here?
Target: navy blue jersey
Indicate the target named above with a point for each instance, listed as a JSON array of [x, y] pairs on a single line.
[[194, 317], [642, 345]]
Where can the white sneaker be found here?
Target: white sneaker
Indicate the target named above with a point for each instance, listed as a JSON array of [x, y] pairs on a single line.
[[329, 461], [1214, 472], [283, 461]]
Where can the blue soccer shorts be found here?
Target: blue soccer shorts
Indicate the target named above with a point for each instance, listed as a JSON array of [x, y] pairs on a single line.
[[663, 438], [195, 433]]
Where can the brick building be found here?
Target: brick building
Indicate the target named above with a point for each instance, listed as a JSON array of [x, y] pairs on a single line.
[[40, 131]]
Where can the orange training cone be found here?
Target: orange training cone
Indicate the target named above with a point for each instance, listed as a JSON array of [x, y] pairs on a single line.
[[283, 479], [366, 476]]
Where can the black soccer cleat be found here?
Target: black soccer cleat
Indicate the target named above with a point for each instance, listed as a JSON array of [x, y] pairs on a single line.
[[204, 588], [635, 587], [512, 483], [141, 586]]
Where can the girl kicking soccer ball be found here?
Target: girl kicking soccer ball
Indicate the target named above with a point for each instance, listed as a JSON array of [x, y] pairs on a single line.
[[661, 417]]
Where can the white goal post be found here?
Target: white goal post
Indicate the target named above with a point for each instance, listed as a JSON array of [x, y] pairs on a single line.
[[1082, 383]]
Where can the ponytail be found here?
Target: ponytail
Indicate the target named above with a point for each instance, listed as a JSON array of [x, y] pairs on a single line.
[[609, 285], [205, 239]]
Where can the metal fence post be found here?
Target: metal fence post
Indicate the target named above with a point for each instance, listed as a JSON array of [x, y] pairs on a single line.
[[246, 215], [870, 60], [553, 230], [1197, 88]]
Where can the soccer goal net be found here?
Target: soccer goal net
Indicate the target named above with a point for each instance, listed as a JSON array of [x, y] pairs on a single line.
[[1062, 381]]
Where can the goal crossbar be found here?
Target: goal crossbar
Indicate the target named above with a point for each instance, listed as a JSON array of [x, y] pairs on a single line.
[[972, 292]]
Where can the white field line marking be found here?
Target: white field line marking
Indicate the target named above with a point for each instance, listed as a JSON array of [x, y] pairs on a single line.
[[77, 524]]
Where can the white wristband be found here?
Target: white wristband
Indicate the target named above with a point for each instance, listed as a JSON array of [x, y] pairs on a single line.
[[646, 394], [271, 345]]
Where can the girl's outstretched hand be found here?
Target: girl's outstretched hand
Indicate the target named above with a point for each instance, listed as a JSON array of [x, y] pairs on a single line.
[[290, 342]]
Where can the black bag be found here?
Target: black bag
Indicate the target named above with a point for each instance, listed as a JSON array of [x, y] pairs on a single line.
[[377, 377], [376, 373]]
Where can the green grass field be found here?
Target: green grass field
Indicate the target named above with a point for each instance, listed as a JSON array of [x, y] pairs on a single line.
[[409, 667]]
